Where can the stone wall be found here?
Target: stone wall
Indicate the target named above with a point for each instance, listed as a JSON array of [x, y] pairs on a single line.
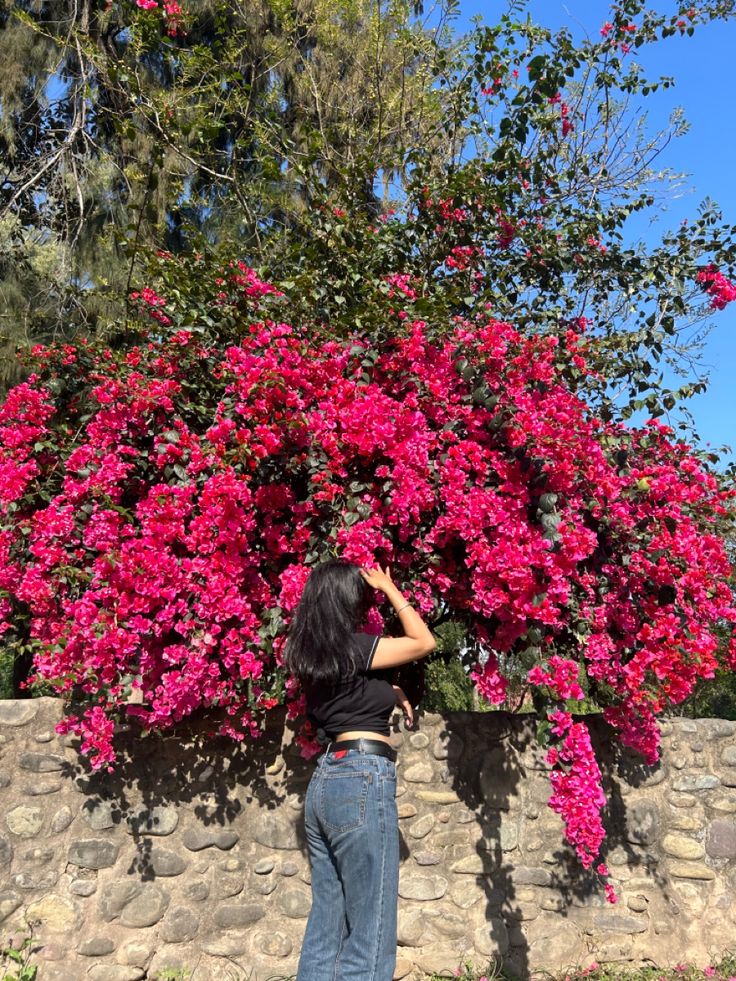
[[190, 854]]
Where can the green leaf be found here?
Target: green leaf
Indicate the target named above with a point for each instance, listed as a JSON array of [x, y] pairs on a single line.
[[543, 732]]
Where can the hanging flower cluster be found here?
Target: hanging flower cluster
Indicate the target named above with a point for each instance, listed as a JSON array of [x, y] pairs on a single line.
[[161, 508], [577, 795]]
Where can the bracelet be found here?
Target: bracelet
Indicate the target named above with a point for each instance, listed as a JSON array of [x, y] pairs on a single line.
[[402, 608]]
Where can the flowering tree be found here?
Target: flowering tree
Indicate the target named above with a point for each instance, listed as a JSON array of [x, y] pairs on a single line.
[[437, 385], [163, 503]]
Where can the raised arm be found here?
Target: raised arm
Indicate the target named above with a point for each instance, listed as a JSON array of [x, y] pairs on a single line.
[[418, 640]]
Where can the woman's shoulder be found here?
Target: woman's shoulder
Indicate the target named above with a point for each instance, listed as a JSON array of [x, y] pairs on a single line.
[[367, 643]]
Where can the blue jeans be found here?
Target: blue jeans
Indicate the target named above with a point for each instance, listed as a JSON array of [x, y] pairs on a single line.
[[352, 830]]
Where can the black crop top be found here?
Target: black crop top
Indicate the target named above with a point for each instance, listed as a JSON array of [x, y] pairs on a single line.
[[364, 701]]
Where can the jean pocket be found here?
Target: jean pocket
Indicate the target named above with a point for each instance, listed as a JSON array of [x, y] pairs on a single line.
[[343, 799]]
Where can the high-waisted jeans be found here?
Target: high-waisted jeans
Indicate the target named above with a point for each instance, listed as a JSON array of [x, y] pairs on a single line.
[[352, 830]]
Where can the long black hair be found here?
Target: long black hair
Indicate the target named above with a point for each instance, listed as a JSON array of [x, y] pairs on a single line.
[[320, 646]]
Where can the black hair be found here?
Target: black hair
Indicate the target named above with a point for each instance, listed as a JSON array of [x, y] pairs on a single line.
[[320, 647]]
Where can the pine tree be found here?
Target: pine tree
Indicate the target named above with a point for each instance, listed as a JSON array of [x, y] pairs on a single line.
[[122, 130]]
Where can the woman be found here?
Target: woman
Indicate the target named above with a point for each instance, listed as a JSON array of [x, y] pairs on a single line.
[[350, 814]]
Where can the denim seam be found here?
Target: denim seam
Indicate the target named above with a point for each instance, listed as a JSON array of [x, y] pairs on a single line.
[[340, 946], [379, 934]]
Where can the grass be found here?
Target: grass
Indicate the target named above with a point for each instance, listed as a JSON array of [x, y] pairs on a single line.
[[15, 966], [722, 969], [6, 673]]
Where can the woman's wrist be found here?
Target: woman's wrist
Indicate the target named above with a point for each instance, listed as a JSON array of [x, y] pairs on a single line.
[[395, 597]]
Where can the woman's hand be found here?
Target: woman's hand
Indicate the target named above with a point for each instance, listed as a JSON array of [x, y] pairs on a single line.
[[405, 704], [377, 578]]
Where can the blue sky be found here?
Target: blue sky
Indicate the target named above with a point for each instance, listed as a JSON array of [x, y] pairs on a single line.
[[702, 67]]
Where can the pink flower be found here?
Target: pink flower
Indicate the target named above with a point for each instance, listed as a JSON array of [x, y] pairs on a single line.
[[400, 283], [174, 16], [578, 796], [567, 125], [721, 289], [490, 682], [561, 677], [561, 722], [148, 297]]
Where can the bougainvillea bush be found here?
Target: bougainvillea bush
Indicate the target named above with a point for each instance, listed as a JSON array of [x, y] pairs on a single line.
[[163, 503]]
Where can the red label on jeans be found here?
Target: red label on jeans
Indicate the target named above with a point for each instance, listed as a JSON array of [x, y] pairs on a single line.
[[340, 753]]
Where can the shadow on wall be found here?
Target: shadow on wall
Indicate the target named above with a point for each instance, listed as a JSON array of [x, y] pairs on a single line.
[[540, 903], [217, 779], [484, 769]]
